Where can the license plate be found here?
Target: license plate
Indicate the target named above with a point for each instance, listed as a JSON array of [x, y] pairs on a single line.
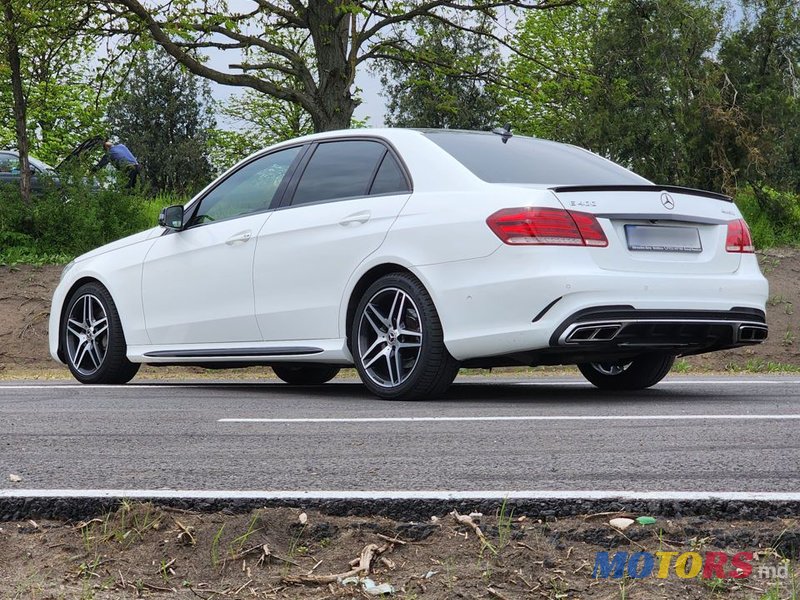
[[663, 239]]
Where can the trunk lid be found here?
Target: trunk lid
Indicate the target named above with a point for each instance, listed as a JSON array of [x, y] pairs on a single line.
[[653, 228], [82, 148]]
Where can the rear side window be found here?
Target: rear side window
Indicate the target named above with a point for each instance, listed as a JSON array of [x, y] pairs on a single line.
[[341, 169], [529, 160], [390, 178]]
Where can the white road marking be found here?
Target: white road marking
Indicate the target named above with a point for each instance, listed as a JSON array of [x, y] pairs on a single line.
[[402, 494], [514, 418]]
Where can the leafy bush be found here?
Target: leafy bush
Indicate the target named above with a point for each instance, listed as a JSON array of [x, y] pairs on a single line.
[[778, 227], [67, 221]]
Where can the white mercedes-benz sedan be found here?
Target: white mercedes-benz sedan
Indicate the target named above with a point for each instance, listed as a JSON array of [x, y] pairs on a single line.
[[411, 254]]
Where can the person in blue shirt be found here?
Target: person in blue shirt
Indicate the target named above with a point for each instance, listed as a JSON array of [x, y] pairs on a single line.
[[123, 159]]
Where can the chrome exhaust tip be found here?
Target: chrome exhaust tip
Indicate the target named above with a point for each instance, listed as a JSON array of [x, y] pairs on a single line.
[[593, 333], [752, 334]]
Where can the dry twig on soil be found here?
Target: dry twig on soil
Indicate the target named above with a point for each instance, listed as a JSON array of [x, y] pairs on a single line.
[[495, 593], [186, 535], [467, 520], [368, 554]]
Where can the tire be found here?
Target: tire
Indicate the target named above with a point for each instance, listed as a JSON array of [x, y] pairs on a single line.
[[640, 373], [397, 341], [305, 374], [93, 340]]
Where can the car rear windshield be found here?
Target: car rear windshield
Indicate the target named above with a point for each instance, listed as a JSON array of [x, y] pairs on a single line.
[[529, 160]]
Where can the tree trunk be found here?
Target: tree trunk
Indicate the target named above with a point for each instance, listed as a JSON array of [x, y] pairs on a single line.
[[333, 98], [20, 108]]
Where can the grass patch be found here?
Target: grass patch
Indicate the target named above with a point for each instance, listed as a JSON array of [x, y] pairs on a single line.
[[758, 365]]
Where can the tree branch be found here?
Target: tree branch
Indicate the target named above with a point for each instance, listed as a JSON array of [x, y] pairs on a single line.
[[288, 15], [198, 68]]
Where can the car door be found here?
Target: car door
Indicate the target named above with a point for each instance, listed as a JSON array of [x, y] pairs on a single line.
[[335, 214], [197, 284], [37, 182]]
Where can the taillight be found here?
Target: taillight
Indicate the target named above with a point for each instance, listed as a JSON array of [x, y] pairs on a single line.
[[739, 239], [546, 226]]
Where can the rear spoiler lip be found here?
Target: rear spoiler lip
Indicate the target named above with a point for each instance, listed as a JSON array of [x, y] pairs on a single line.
[[640, 188]]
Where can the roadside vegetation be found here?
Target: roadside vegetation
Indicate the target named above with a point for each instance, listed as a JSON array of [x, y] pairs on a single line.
[[62, 223]]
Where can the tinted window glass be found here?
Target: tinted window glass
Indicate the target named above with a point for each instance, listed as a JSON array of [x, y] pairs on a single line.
[[339, 170], [9, 163], [248, 190], [389, 178], [528, 160]]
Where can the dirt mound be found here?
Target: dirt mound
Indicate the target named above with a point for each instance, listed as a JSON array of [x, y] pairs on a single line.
[[25, 293]]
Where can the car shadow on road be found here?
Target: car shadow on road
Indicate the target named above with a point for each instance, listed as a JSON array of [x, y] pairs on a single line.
[[485, 393]]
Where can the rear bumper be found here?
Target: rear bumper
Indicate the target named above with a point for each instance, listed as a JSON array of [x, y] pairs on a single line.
[[615, 328], [509, 305], [610, 333]]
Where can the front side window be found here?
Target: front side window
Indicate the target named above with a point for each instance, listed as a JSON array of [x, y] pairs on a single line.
[[341, 169], [249, 190]]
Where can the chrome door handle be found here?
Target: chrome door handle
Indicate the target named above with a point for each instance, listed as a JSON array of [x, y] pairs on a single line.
[[239, 238], [358, 218]]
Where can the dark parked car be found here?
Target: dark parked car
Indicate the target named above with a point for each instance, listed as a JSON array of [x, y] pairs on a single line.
[[41, 173]]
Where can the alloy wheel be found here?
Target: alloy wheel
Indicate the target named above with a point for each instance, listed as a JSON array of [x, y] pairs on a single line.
[[389, 337], [611, 368], [87, 334]]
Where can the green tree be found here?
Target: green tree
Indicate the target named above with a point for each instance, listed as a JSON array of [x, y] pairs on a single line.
[[15, 25], [163, 115], [338, 37], [66, 104], [258, 121], [440, 78], [548, 82], [633, 80], [651, 61], [663, 87], [46, 86], [760, 99]]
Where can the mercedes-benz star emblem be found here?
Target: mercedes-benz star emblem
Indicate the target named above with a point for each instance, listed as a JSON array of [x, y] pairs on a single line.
[[667, 201]]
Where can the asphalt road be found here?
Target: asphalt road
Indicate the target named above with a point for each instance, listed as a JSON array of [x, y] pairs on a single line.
[[724, 434]]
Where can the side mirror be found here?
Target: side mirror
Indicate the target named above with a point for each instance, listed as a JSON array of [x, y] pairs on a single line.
[[171, 217]]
